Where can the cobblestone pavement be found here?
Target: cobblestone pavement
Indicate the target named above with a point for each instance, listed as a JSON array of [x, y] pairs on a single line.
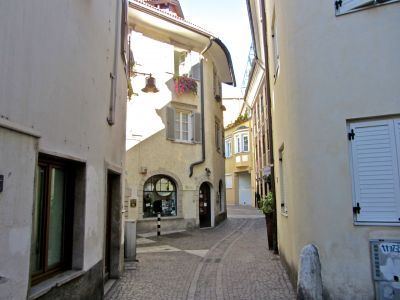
[[230, 261]]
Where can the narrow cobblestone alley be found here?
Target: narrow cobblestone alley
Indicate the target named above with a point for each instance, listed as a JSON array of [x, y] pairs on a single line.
[[227, 262]]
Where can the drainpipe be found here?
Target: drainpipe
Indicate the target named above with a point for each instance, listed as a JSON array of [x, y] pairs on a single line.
[[114, 75], [203, 139], [269, 132]]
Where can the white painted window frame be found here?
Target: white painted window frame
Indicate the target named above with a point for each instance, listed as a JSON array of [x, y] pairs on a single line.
[[179, 115]]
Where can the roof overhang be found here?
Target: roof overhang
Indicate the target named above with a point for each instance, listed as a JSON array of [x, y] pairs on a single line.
[[170, 29], [255, 83]]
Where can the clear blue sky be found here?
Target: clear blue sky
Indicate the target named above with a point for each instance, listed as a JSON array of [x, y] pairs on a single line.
[[227, 20]]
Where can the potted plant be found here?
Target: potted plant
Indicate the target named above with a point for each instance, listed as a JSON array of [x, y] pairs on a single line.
[[185, 84], [266, 206]]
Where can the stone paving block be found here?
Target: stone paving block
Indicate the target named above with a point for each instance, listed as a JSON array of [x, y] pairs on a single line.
[[234, 264]]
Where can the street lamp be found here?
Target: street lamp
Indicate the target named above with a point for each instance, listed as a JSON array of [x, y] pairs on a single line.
[[150, 86]]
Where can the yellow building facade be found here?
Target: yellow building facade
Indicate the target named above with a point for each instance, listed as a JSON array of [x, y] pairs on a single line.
[[239, 175]]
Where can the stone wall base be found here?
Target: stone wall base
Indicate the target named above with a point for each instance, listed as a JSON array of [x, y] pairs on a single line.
[[89, 286]]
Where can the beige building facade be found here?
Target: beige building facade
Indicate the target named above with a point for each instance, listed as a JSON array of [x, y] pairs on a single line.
[[179, 170], [335, 111], [62, 136]]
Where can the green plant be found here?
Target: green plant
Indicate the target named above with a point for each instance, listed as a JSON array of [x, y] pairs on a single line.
[[240, 119], [130, 89], [265, 204]]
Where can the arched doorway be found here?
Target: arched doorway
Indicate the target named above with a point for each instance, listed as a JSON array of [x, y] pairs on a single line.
[[205, 205]]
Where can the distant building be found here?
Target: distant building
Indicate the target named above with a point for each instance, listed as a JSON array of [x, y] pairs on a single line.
[[171, 6], [332, 76], [62, 153], [180, 168], [238, 163]]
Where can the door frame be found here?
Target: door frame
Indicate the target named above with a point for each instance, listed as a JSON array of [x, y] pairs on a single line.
[[210, 222]]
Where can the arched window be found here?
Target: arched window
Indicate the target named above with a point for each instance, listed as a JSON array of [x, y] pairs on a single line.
[[159, 194]]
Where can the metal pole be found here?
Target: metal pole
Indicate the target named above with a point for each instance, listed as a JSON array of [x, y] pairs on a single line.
[[158, 224]]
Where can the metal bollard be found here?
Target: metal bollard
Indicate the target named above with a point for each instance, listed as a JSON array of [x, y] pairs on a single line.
[[158, 224]]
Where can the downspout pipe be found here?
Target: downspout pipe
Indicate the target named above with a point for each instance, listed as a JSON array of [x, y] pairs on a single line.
[[269, 131], [203, 139], [114, 74]]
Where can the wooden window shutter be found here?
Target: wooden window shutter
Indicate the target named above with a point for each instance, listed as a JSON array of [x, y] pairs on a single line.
[[375, 171], [196, 127], [170, 123]]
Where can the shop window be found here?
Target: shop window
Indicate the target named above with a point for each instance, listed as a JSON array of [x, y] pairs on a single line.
[[159, 192]]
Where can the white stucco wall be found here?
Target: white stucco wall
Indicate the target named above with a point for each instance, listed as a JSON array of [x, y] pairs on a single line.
[[16, 210], [332, 69], [56, 61], [161, 156]]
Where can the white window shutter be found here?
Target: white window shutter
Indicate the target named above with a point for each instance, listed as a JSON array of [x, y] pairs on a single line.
[[375, 171], [397, 133], [170, 123], [348, 5], [196, 127]]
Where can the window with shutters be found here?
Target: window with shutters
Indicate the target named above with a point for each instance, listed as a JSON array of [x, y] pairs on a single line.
[[183, 126], [275, 50], [281, 181], [218, 136], [347, 6], [375, 161]]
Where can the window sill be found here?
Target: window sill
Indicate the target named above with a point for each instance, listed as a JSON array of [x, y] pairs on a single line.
[[185, 142], [393, 224], [56, 281], [162, 218]]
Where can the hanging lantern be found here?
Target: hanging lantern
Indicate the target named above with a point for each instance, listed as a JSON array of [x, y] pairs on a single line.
[[150, 85]]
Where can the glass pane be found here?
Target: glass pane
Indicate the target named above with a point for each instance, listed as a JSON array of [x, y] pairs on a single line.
[[185, 136], [148, 199], [245, 143], [38, 217], [169, 205], [56, 230]]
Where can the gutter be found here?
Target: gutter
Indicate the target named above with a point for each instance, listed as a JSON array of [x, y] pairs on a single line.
[[203, 139], [114, 74]]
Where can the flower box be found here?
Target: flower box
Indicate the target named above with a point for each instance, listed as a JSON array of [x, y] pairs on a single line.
[[185, 84]]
